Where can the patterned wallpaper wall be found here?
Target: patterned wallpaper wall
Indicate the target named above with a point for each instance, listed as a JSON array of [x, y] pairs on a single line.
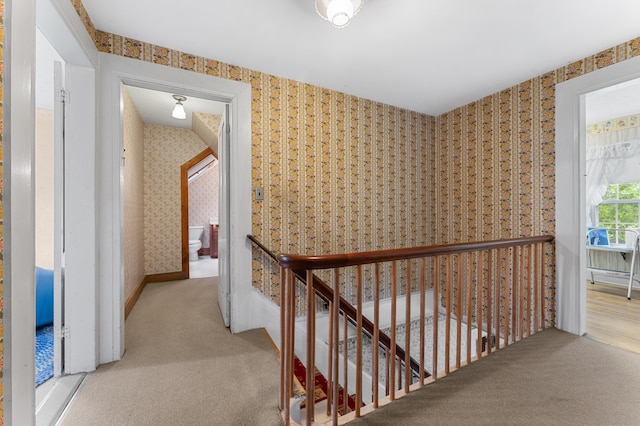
[[614, 125], [165, 150], [342, 173], [133, 196], [495, 161], [1, 215], [203, 201]]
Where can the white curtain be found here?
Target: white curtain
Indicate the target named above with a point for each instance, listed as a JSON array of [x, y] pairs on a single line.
[[617, 163]]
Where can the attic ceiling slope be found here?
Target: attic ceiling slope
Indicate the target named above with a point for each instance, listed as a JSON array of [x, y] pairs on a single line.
[[206, 126], [429, 57]]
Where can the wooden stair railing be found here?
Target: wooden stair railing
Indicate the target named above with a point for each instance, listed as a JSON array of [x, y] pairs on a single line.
[[492, 293], [326, 294]]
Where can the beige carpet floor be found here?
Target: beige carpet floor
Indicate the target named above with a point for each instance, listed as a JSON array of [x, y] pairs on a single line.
[[182, 367], [551, 378]]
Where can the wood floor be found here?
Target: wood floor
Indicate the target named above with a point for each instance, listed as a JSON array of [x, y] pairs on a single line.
[[611, 318]]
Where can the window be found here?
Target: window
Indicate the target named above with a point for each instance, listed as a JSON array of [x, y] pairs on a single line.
[[620, 208]]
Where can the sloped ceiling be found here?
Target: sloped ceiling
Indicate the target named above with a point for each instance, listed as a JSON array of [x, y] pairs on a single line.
[[203, 116], [206, 126]]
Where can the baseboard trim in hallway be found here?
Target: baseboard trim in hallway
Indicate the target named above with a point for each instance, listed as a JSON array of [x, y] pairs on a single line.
[[154, 278], [133, 298]]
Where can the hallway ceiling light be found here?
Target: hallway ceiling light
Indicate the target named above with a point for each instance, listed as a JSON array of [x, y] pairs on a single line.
[[338, 12], [178, 110]]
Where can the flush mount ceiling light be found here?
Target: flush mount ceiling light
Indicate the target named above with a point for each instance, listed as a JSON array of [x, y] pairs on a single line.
[[338, 12], [178, 110]]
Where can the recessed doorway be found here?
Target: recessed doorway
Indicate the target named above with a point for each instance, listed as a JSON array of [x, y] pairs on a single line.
[[612, 208]]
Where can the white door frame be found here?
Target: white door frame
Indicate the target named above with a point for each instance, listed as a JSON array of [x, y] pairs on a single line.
[[571, 292], [224, 282], [60, 24], [58, 20], [19, 213], [114, 72]]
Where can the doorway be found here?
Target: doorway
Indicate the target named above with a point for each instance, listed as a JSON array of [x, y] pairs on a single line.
[[158, 151], [234, 249], [199, 190], [47, 199], [61, 63], [612, 209], [571, 221]]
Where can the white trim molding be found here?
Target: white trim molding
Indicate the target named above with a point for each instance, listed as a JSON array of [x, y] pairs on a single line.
[[571, 293], [19, 212], [114, 72]]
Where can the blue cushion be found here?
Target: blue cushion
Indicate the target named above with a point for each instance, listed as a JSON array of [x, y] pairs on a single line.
[[44, 296]]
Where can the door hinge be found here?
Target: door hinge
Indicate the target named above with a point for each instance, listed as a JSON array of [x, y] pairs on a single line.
[[61, 333], [63, 96]]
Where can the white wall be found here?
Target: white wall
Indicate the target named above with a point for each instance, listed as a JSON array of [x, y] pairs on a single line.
[[44, 188]]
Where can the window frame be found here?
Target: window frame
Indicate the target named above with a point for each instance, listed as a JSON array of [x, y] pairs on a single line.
[[617, 202]]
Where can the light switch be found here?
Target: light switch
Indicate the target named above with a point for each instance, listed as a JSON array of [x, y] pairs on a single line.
[[259, 194]]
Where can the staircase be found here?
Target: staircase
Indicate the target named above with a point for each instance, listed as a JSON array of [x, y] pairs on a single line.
[[461, 302]]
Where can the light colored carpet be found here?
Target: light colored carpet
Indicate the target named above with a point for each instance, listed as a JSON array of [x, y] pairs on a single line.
[[182, 367], [551, 378]]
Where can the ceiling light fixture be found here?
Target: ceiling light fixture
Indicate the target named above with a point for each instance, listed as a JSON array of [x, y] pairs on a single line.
[[338, 12], [178, 110]]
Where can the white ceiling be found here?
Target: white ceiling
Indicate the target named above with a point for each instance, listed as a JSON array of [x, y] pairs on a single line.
[[612, 102], [155, 107], [427, 56]]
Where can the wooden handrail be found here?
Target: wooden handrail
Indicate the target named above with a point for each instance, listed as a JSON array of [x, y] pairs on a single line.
[[326, 294], [330, 261], [262, 247], [490, 295]]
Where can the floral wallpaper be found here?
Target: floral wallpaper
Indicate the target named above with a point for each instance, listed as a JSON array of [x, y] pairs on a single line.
[[614, 125], [165, 150], [343, 173], [495, 162], [340, 173], [1, 215], [203, 201], [133, 196]]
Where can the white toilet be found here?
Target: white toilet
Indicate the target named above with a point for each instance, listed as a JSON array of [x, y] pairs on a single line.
[[195, 242]]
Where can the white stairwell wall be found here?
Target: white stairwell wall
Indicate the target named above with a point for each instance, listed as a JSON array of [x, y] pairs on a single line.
[[267, 315]]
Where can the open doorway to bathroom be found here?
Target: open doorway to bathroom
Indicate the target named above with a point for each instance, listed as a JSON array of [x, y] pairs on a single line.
[[159, 151], [199, 182]]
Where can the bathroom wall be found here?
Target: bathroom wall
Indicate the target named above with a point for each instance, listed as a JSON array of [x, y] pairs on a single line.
[[44, 188], [133, 196], [165, 150], [203, 201]]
